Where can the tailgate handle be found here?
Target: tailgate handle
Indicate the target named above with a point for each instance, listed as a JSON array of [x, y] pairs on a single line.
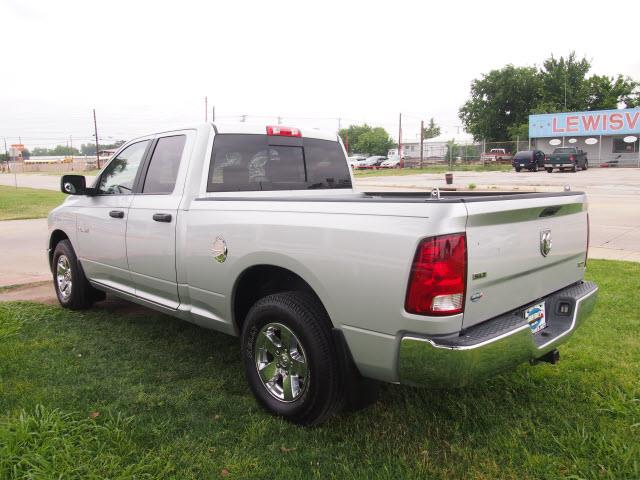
[[550, 211]]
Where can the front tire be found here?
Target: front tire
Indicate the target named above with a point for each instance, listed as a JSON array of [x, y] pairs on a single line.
[[518, 169], [72, 288], [290, 359]]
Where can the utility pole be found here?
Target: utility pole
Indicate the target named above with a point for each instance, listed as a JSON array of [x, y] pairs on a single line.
[[213, 113], [279, 120], [6, 156], [71, 145], [244, 117], [339, 124], [95, 130], [400, 141], [206, 109], [347, 145], [566, 70], [421, 142]]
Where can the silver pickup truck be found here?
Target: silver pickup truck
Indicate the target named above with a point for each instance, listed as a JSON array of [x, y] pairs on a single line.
[[257, 232]]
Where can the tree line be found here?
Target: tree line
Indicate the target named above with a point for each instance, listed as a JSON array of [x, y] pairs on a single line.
[[88, 149], [502, 100], [368, 140]]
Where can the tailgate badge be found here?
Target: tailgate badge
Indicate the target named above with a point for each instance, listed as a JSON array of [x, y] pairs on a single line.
[[219, 249], [545, 242]]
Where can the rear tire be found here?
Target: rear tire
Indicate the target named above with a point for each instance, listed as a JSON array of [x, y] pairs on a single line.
[[518, 169], [72, 288], [586, 165], [290, 358], [549, 170], [574, 169]]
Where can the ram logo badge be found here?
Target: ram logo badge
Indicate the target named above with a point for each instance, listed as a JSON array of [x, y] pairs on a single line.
[[545, 242]]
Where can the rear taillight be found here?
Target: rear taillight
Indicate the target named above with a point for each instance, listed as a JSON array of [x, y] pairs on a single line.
[[438, 276], [571, 158], [278, 131]]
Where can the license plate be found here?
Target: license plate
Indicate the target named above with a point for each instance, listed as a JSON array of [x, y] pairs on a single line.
[[535, 317], [522, 164]]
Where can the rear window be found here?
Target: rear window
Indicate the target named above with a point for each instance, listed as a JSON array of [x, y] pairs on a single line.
[[523, 156], [565, 150], [243, 162]]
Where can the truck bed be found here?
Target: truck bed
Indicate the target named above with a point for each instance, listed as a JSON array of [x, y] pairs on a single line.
[[397, 197]]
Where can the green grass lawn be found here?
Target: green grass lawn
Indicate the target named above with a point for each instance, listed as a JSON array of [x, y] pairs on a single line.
[[114, 394], [22, 203], [432, 169]]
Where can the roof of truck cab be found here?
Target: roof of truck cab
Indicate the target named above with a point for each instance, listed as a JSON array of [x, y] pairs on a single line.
[[243, 128], [249, 128]]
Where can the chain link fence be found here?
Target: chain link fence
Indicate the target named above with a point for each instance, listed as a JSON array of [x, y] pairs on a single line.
[[50, 165], [606, 152]]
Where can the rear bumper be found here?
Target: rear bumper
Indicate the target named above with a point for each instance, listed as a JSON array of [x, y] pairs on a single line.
[[558, 165], [495, 345]]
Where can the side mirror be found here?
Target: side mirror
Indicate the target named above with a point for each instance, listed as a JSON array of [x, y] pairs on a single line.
[[74, 185]]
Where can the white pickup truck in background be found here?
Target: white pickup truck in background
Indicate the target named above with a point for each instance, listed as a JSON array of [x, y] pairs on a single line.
[[258, 232]]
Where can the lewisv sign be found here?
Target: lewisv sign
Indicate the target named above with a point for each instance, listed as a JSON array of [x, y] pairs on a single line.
[[600, 122]]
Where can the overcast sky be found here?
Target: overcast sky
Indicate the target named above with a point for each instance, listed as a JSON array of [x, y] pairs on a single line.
[[147, 66]]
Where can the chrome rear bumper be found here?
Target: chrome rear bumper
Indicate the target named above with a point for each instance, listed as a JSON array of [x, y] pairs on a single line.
[[495, 345]]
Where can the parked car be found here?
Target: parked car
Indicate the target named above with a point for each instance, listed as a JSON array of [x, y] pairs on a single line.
[[353, 161], [529, 159], [258, 233], [567, 158], [391, 162], [496, 155], [370, 162]]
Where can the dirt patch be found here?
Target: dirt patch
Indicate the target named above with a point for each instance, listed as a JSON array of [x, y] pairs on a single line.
[[41, 292]]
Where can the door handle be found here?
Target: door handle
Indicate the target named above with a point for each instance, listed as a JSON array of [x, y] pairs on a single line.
[[162, 217], [116, 214]]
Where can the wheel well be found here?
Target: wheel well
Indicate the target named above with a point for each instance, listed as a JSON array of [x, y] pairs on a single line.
[[262, 280], [56, 237]]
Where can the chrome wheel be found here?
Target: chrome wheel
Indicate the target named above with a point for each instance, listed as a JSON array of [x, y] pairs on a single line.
[[281, 362], [63, 277]]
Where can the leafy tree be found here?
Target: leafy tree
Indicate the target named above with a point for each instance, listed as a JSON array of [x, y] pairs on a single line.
[[39, 152], [502, 100], [375, 142], [431, 131], [499, 100], [603, 93], [465, 152], [26, 154], [90, 148], [366, 139], [563, 83], [58, 150], [351, 135]]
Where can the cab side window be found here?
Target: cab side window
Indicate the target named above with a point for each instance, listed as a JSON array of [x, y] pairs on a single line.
[[118, 177], [163, 168]]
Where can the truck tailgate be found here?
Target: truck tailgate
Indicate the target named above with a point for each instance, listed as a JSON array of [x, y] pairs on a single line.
[[507, 267]]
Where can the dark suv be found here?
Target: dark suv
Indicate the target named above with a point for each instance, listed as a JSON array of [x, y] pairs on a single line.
[[530, 159]]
